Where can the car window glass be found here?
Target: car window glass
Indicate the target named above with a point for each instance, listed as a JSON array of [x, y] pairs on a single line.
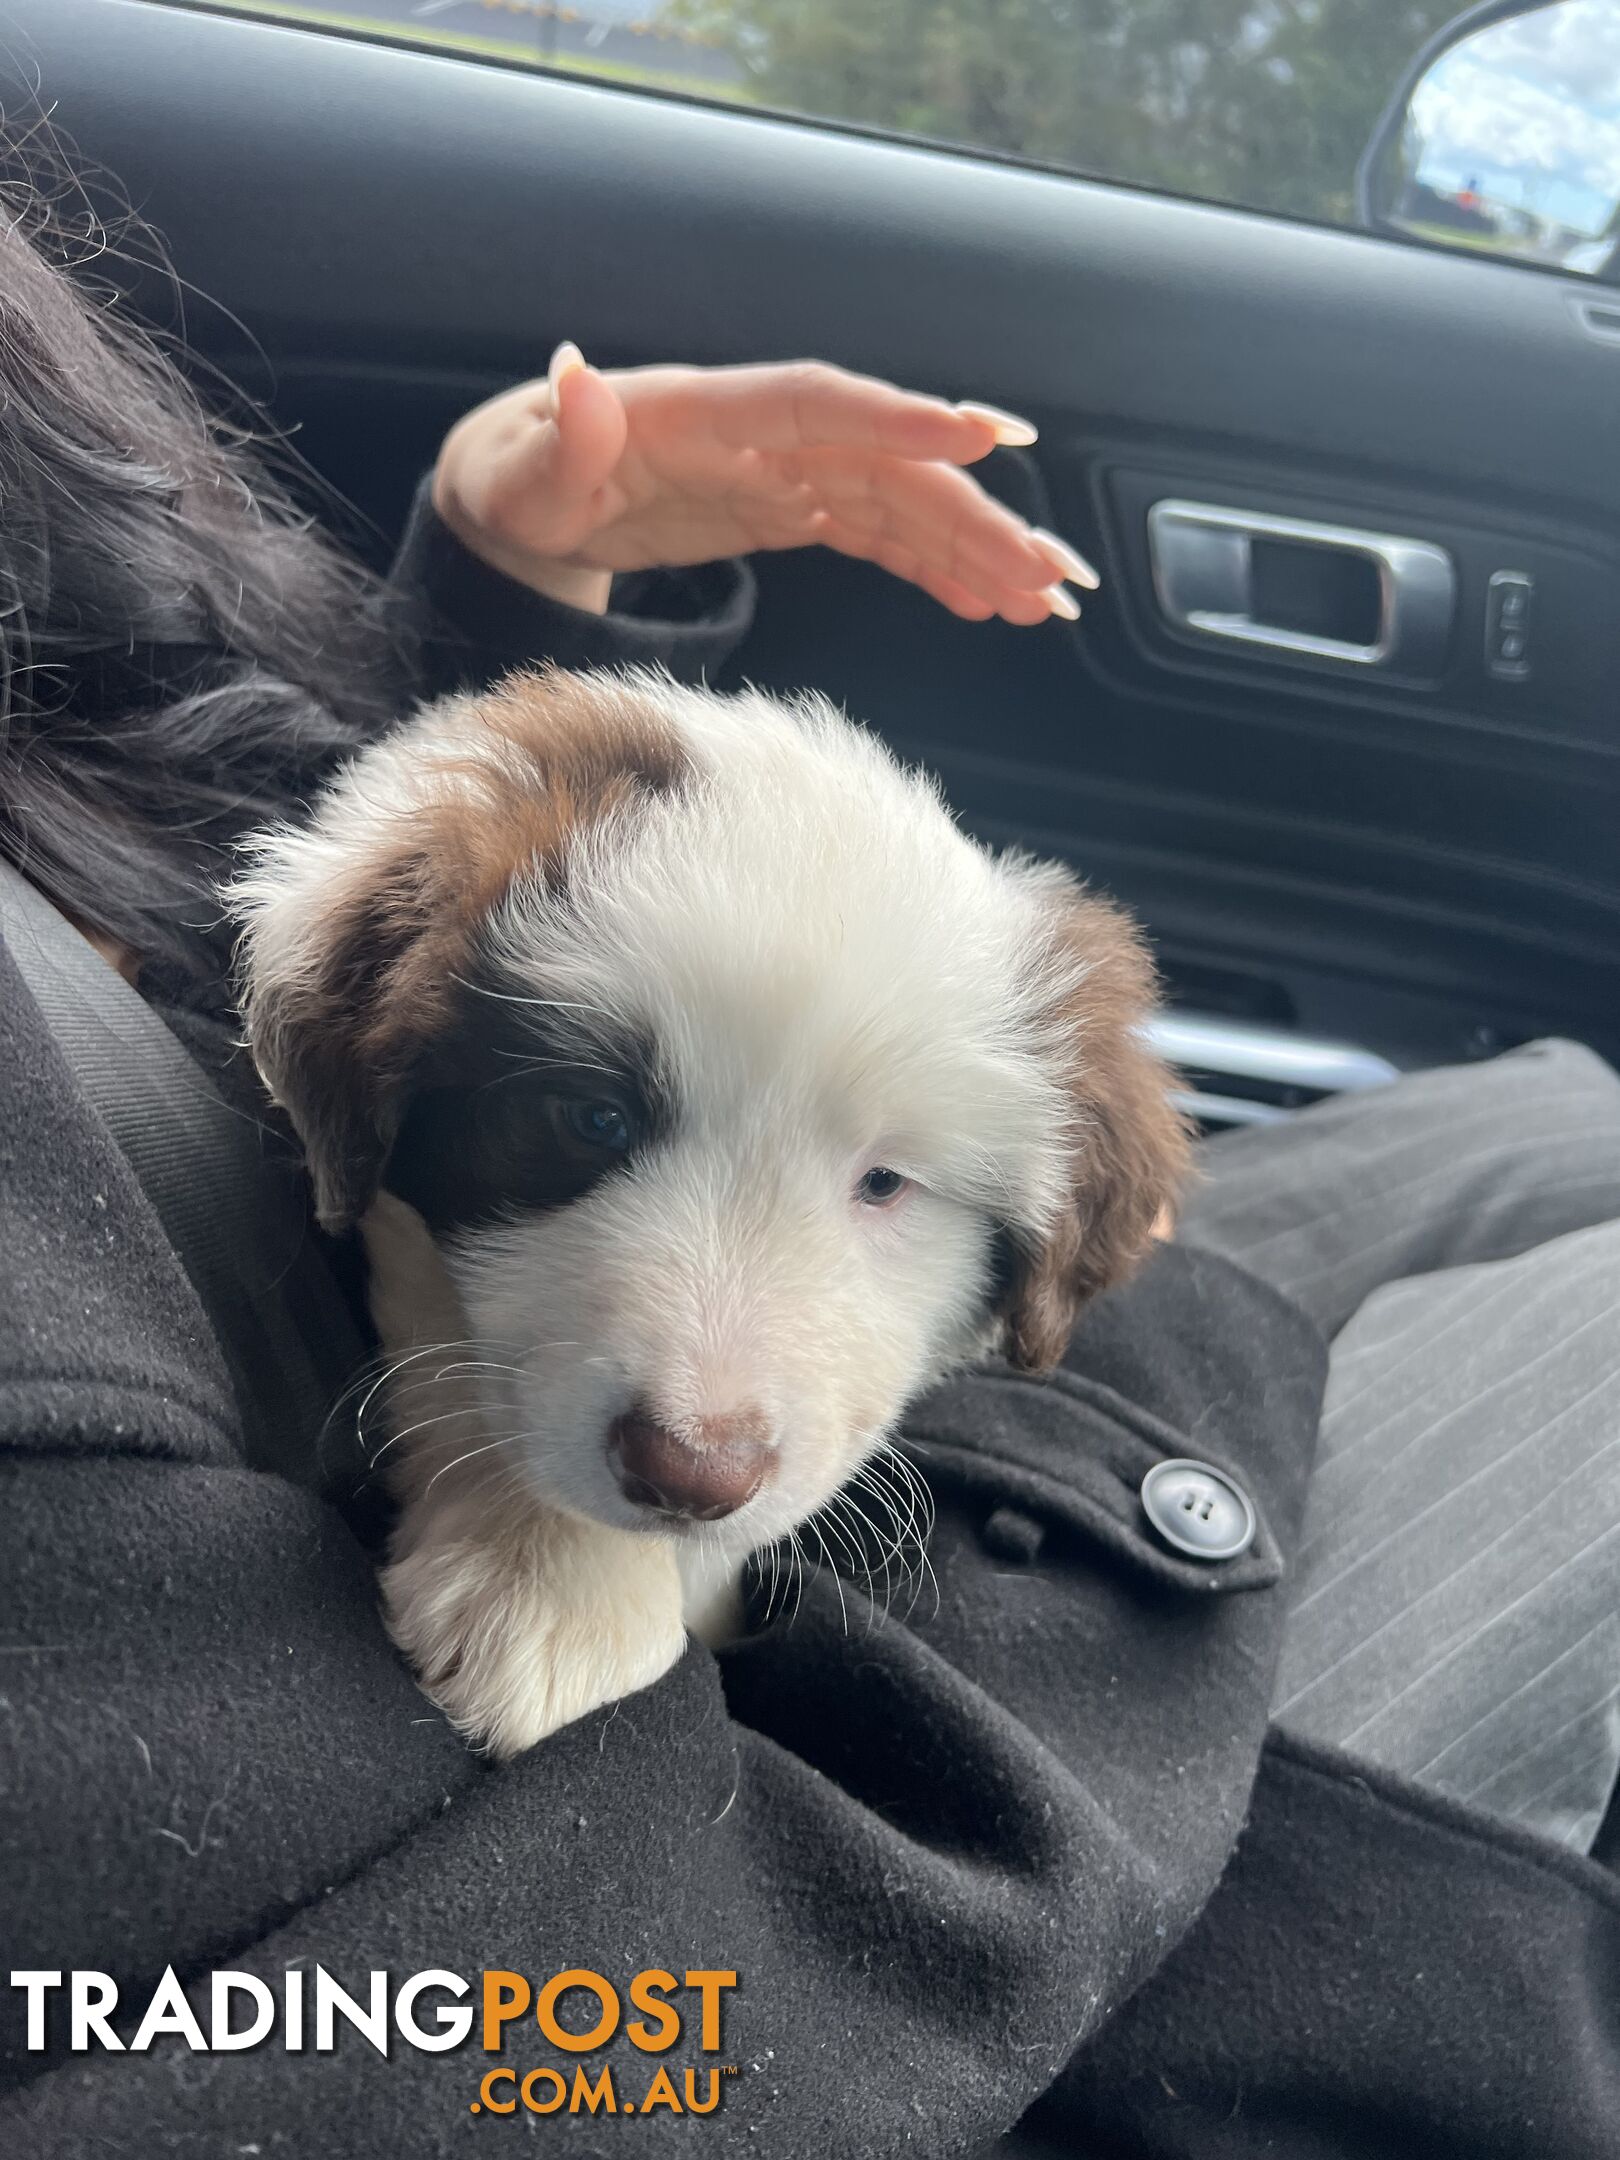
[[1509, 145]]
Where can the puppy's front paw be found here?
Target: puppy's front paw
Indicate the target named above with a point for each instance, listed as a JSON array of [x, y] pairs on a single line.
[[517, 1631]]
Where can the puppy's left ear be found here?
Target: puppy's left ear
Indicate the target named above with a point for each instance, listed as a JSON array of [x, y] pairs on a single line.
[[1130, 1149]]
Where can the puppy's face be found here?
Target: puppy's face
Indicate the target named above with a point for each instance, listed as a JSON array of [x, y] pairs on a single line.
[[741, 1092]]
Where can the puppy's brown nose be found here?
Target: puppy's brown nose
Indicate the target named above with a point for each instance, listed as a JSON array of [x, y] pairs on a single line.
[[708, 1469]]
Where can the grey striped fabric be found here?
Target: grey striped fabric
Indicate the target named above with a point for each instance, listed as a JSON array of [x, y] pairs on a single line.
[[1456, 1603]]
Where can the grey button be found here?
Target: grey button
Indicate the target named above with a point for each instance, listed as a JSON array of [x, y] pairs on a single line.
[[1198, 1510]]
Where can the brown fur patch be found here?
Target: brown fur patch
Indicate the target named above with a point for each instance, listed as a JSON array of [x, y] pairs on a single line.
[[400, 927], [1131, 1148]]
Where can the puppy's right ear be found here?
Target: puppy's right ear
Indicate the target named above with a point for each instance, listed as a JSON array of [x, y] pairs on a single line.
[[353, 945], [362, 927]]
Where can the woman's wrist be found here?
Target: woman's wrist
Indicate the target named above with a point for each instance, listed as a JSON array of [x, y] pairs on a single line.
[[571, 584]]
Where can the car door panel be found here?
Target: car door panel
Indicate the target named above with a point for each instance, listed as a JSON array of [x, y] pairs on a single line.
[[1428, 865]]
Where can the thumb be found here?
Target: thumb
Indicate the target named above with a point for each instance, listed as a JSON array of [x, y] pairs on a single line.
[[577, 452]]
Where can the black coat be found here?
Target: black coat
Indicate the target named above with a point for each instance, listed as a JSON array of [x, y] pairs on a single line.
[[969, 1865]]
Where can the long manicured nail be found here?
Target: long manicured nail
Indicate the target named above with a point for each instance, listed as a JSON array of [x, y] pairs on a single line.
[[1062, 602], [1063, 557], [564, 361], [1015, 433]]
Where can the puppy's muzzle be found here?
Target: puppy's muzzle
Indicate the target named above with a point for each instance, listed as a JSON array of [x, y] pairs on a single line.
[[700, 1473]]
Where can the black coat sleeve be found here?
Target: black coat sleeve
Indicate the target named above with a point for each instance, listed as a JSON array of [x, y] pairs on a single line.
[[938, 1849], [472, 623]]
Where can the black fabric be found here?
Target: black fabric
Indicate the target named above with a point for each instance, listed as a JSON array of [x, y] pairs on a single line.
[[224, 1180], [476, 623], [960, 1840], [1380, 1972], [1100, 1495]]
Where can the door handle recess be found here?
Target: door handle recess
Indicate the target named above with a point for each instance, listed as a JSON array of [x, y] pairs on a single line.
[[1204, 574]]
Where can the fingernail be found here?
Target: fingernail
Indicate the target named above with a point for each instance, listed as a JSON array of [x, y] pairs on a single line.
[[1015, 433], [1062, 602], [564, 361], [1058, 552]]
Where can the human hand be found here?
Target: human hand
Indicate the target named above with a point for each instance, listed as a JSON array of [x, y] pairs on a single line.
[[567, 479]]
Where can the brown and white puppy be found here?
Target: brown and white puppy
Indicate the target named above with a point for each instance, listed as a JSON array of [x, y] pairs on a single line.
[[705, 1093]]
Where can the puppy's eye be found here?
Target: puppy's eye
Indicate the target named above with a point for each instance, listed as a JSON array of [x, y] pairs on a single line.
[[597, 1123], [881, 1187]]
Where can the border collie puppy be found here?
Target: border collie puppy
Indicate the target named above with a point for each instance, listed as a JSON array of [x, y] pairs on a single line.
[[704, 1093]]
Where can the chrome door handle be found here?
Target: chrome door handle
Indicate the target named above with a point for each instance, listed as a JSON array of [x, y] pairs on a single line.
[[1203, 573]]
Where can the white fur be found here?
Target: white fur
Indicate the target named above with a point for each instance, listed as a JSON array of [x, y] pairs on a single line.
[[837, 979], [834, 978]]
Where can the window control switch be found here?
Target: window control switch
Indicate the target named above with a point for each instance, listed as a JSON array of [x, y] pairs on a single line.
[[1507, 623]]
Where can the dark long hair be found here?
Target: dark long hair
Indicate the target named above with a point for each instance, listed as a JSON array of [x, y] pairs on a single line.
[[182, 653]]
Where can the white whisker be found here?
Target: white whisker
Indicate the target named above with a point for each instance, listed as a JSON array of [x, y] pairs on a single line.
[[443, 1471]]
